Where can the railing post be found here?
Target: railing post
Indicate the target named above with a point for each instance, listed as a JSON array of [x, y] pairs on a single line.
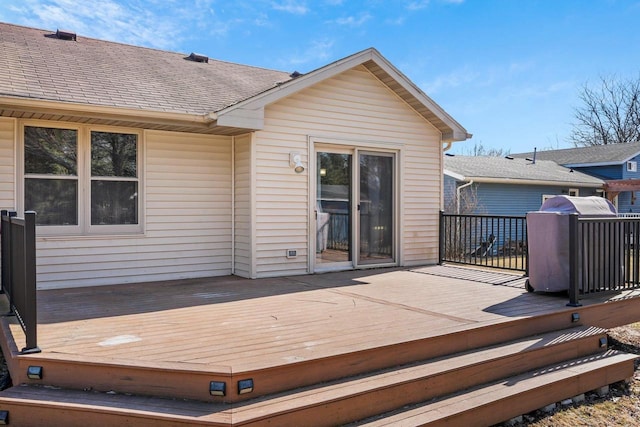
[[31, 311], [441, 238], [574, 274], [4, 278], [7, 259]]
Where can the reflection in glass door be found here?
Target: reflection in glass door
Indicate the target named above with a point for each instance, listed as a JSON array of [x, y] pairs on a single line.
[[375, 209], [333, 210]]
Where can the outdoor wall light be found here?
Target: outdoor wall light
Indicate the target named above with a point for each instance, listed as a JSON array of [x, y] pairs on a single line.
[[575, 317], [603, 342], [217, 388], [295, 160], [34, 372], [4, 418], [245, 386]]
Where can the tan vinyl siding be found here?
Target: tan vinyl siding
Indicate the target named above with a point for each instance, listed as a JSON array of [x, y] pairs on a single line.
[[7, 164], [187, 192], [353, 106], [242, 210]]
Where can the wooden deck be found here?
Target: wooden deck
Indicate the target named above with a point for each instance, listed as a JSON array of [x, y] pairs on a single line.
[[282, 333]]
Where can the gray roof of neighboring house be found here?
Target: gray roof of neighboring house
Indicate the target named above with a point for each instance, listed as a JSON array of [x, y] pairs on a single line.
[[500, 169], [36, 64], [611, 154]]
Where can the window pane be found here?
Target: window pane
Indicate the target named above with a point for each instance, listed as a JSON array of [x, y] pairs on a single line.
[[54, 200], [114, 202], [113, 154], [50, 151]]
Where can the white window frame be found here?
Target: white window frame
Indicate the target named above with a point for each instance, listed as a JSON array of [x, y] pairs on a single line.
[[632, 166], [574, 192], [84, 180]]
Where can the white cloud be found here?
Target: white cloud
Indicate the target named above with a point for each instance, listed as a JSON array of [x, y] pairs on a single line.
[[423, 4], [352, 21], [396, 21], [104, 19], [291, 6], [318, 52], [418, 4], [463, 76]]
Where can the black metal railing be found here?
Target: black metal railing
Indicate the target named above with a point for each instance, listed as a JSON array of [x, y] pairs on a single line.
[[18, 244], [604, 255], [486, 240]]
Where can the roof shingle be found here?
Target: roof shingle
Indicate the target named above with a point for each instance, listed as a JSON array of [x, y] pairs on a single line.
[[500, 168], [597, 154], [38, 65]]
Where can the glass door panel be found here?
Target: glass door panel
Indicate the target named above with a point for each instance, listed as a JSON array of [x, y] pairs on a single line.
[[376, 209], [333, 210]]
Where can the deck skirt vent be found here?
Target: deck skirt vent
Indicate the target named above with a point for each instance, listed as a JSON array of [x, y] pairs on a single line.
[[66, 35], [198, 57]]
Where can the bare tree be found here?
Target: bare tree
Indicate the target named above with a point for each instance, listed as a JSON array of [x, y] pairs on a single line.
[[469, 202], [609, 114], [479, 150]]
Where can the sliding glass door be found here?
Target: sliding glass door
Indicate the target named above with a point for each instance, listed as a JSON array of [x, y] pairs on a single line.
[[355, 209], [334, 192], [376, 209]]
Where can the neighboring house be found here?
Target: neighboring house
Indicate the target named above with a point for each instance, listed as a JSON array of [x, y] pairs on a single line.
[[617, 164], [509, 186], [148, 165]]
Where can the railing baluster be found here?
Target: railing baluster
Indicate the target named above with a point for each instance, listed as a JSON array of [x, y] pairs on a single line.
[[484, 240]]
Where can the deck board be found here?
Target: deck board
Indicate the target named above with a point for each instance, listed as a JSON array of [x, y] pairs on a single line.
[[248, 325]]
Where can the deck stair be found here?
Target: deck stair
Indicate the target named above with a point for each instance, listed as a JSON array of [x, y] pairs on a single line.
[[483, 385]]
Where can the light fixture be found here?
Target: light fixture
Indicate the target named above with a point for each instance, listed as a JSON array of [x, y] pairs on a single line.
[[295, 160], [4, 418], [603, 342], [245, 386], [217, 388], [323, 172], [575, 317], [34, 372]]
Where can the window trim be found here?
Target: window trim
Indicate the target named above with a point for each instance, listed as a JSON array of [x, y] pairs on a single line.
[[84, 180], [632, 166]]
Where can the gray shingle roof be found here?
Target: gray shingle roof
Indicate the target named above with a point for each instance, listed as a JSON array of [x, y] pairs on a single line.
[[500, 168], [37, 65], [597, 154]]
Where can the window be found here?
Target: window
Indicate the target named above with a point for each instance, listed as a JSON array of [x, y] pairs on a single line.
[[51, 174], [632, 166], [574, 192], [114, 182], [81, 180]]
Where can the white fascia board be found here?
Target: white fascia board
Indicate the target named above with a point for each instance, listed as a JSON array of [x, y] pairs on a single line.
[[458, 133], [256, 104], [454, 175], [98, 111], [242, 118]]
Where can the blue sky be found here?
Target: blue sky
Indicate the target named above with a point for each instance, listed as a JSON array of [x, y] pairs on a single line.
[[510, 71]]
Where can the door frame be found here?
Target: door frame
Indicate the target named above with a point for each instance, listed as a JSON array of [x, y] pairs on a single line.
[[354, 147]]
